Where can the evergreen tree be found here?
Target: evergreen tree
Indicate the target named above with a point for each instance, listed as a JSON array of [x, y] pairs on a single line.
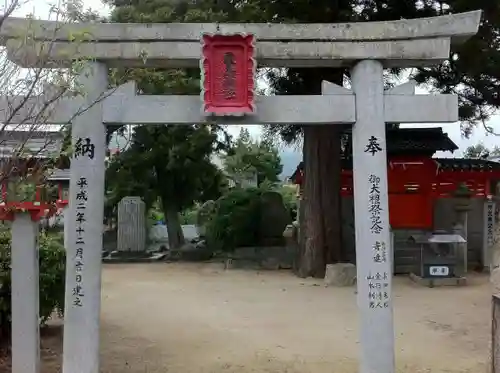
[[249, 158]]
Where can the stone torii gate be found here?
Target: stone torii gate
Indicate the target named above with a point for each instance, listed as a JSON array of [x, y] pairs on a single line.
[[367, 48]]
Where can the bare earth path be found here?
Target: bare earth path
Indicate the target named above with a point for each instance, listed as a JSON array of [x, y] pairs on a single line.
[[199, 318]]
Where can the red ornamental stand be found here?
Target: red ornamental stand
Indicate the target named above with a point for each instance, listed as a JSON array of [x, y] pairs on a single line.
[[37, 210]]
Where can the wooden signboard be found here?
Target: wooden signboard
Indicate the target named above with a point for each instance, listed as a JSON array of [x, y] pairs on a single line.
[[228, 74]]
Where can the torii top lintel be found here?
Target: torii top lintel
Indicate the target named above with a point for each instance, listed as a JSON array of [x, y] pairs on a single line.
[[402, 43]]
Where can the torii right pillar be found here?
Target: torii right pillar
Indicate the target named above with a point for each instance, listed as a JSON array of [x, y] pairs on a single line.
[[374, 254], [371, 213]]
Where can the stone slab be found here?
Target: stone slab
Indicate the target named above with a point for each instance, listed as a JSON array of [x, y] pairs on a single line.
[[458, 26], [435, 282], [152, 258], [397, 53], [340, 274]]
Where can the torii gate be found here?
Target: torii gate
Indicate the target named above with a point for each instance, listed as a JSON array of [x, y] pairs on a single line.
[[367, 48]]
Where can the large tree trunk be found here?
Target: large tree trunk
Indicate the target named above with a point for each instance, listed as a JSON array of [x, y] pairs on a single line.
[[321, 224], [321, 218], [174, 229]]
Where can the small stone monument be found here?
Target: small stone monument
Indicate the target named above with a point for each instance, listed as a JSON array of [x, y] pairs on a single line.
[[340, 274], [131, 224]]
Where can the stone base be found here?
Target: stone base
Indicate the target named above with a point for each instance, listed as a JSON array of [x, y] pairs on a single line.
[[266, 258], [434, 282], [133, 257], [340, 274]]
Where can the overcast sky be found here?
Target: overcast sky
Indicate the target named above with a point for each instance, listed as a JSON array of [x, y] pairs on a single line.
[[41, 9]]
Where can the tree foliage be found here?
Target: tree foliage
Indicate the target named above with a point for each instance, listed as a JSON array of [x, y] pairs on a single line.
[[479, 151], [249, 158], [236, 220]]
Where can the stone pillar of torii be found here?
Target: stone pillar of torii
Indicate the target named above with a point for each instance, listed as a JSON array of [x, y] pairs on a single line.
[[367, 48]]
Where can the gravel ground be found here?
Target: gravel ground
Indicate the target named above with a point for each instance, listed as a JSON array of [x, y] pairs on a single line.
[[198, 318]]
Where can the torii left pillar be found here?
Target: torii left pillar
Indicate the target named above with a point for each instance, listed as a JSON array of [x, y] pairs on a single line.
[[85, 223], [25, 294]]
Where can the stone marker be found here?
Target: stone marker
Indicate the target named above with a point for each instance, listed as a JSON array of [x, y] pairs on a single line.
[[131, 224]]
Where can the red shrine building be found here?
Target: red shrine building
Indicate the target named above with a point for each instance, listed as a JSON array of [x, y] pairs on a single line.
[[33, 155], [423, 192]]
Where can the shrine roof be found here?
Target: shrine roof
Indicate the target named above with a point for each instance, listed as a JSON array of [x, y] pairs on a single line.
[[411, 141], [419, 139], [425, 142], [19, 135], [404, 141], [466, 164]]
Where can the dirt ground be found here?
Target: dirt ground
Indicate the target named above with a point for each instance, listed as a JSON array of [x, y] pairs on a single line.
[[199, 318]]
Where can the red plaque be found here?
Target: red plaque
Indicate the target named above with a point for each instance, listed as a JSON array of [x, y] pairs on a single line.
[[228, 69]]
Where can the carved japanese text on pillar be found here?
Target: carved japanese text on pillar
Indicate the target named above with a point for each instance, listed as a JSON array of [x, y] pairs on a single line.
[[379, 252], [84, 148], [490, 219], [374, 207], [378, 290], [373, 146], [229, 79], [81, 206]]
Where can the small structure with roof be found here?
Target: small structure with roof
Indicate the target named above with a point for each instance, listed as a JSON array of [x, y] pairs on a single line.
[[442, 260], [33, 156]]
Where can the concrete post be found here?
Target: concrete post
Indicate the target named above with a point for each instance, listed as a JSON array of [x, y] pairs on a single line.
[[66, 220], [462, 209], [371, 212], [25, 295], [86, 210]]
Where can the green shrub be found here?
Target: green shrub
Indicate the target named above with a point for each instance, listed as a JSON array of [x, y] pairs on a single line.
[[236, 220], [188, 216], [290, 199], [52, 278], [205, 213]]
